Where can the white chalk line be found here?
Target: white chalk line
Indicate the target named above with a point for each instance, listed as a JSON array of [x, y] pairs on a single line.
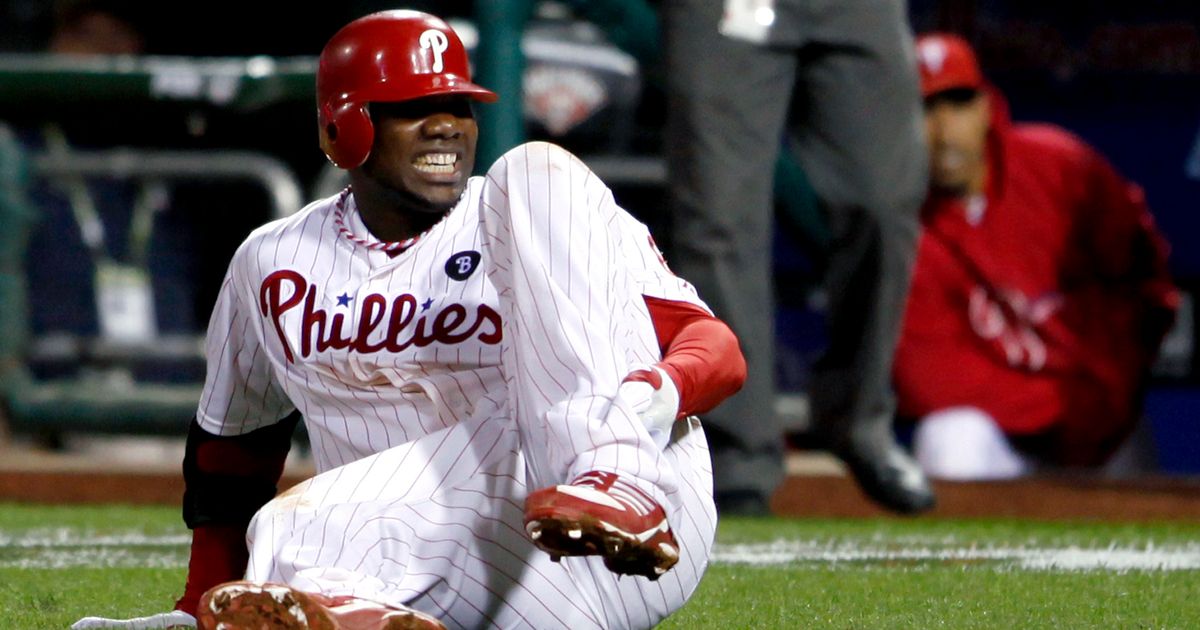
[[65, 548], [1149, 557], [67, 537]]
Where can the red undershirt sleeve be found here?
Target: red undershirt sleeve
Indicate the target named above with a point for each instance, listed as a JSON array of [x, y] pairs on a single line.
[[218, 555], [700, 354]]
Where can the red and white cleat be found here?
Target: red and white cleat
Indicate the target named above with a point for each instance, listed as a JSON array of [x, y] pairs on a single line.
[[598, 514], [253, 606]]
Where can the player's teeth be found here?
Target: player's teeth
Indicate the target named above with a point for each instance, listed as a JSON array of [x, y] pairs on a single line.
[[575, 533], [436, 162], [535, 534]]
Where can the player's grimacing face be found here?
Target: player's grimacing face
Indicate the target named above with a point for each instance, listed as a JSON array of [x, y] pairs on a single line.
[[425, 147], [956, 126]]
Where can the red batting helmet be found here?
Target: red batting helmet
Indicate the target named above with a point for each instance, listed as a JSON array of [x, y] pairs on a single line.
[[386, 57]]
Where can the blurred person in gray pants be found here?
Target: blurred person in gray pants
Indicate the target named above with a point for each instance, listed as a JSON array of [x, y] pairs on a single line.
[[835, 82]]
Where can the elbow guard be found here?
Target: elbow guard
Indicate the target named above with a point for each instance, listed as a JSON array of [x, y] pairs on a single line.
[[228, 478]]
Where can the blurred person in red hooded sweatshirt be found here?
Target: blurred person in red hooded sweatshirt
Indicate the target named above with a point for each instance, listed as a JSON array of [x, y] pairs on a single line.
[[1040, 293]]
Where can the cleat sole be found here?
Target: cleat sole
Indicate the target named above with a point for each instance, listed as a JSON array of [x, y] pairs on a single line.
[[622, 552]]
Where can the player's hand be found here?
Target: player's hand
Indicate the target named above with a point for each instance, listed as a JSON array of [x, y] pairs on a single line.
[[655, 399], [161, 621]]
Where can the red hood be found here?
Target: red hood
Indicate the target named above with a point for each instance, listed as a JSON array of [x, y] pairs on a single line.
[[998, 129], [1000, 125]]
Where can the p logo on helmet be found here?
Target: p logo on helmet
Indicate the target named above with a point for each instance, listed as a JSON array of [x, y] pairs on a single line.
[[386, 57], [435, 41]]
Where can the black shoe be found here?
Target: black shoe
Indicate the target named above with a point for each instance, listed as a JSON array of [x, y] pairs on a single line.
[[890, 477]]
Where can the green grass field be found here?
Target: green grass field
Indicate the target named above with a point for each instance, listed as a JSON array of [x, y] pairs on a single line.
[[60, 563]]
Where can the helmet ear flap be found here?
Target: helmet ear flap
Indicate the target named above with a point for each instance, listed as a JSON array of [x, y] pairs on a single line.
[[346, 133]]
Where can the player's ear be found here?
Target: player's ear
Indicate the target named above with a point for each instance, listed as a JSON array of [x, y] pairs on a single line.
[[346, 133]]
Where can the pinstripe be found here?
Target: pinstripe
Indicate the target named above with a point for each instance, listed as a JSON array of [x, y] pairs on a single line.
[[426, 453]]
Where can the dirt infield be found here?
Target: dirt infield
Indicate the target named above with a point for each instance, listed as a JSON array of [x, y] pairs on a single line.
[[816, 495], [1145, 500]]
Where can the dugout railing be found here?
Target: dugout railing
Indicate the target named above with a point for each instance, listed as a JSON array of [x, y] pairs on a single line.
[[104, 398]]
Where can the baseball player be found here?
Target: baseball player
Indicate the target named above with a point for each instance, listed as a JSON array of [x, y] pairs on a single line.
[[496, 374], [1040, 294]]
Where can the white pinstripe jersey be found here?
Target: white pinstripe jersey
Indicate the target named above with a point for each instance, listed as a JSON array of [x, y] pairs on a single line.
[[374, 351]]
